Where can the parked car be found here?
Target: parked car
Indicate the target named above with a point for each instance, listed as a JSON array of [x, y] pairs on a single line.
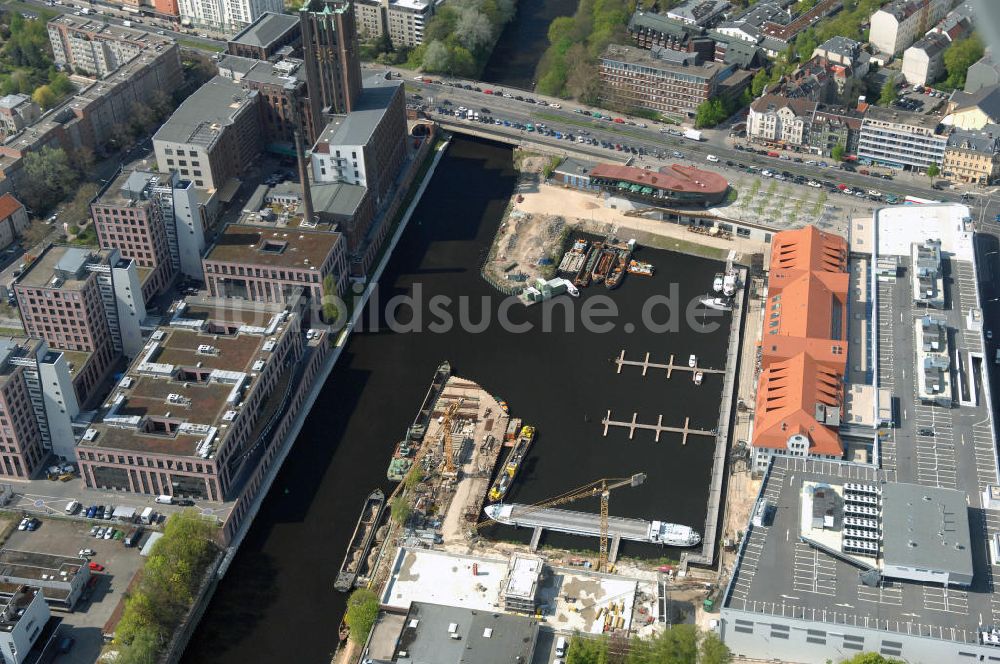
[[99, 534], [109, 533], [93, 530], [24, 524], [97, 567], [86, 553], [66, 643]]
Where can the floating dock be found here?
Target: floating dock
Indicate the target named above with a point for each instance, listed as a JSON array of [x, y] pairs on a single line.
[[670, 367], [657, 428]]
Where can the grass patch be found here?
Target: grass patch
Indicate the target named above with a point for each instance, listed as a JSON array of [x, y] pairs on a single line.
[[43, 14], [201, 46], [87, 237], [11, 332]]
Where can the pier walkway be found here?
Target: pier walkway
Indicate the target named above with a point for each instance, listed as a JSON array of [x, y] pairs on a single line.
[[657, 428], [670, 367], [574, 523]]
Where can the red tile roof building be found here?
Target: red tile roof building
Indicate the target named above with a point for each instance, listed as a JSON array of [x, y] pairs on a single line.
[[803, 358]]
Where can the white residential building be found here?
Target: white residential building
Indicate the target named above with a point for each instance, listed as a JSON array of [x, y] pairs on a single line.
[[902, 22], [909, 141], [22, 620], [777, 119], [226, 15], [402, 20]]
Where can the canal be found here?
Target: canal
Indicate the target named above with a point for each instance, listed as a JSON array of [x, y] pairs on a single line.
[[277, 598], [523, 41]]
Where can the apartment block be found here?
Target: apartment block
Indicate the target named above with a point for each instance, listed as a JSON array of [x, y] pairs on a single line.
[[650, 29], [832, 126], [86, 303], [157, 221], [88, 118], [13, 219], [973, 157], [367, 146], [262, 39], [923, 63], [902, 22], [226, 15], [402, 20], [702, 13], [22, 619], [263, 265], [898, 139], [17, 111], [213, 136], [333, 65], [658, 80], [92, 47]]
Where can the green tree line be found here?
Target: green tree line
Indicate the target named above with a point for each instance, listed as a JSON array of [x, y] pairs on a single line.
[[26, 65], [680, 644], [169, 583], [460, 37]]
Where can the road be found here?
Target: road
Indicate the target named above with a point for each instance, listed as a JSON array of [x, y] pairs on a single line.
[[652, 138]]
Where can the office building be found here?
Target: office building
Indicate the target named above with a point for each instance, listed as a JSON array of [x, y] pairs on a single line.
[[17, 111], [780, 120], [13, 219], [902, 22], [262, 39], [255, 263], [703, 13], [674, 185], [283, 92], [657, 81], [86, 303], [452, 635], [91, 46], [650, 29], [22, 621], [521, 584], [225, 15], [61, 580], [191, 414], [332, 61], [37, 402], [157, 221], [899, 139], [367, 146], [973, 157], [213, 136], [800, 391], [402, 20]]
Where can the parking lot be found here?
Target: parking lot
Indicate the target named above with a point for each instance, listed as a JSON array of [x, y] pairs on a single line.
[[67, 537]]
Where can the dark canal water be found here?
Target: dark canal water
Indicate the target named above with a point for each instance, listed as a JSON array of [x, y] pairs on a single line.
[[523, 41], [278, 599]]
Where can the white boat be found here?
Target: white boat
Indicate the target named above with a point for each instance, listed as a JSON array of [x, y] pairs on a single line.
[[720, 303], [729, 283], [572, 289], [673, 534], [698, 377], [693, 361], [717, 284]]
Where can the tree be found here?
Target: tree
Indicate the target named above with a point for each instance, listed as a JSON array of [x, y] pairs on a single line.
[[436, 57], [362, 611], [889, 92], [712, 650], [871, 658], [587, 651], [837, 153], [474, 30], [933, 171], [400, 510], [331, 312], [759, 82], [45, 97], [414, 477], [959, 56], [50, 177]]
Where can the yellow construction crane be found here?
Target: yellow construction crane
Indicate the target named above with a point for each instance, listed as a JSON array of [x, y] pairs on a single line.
[[602, 488], [448, 446]]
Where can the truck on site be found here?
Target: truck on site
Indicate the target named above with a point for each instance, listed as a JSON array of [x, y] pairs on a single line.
[[692, 134]]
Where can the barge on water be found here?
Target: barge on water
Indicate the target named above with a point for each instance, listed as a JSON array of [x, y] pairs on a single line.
[[361, 541], [406, 449], [512, 464]]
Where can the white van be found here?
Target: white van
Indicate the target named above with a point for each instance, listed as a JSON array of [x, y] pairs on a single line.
[[561, 646], [72, 507], [147, 516], [165, 500]]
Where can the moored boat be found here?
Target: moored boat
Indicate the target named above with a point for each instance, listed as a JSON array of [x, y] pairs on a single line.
[[698, 377], [730, 282], [512, 464], [719, 303], [693, 361], [603, 265], [617, 273], [717, 284], [357, 549], [640, 268]]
